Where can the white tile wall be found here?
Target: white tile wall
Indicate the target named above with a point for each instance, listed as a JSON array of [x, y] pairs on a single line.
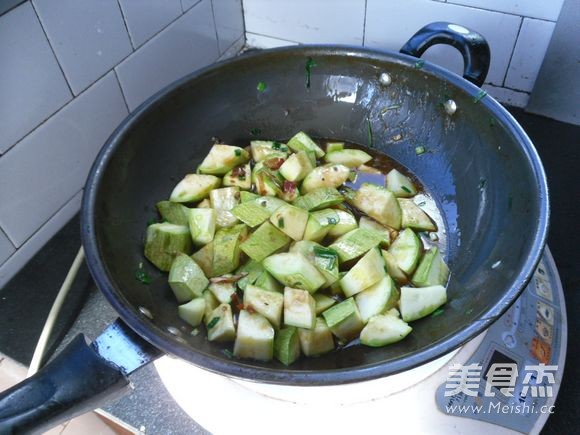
[[32, 86], [145, 18], [6, 247], [260, 41], [545, 9], [229, 22]]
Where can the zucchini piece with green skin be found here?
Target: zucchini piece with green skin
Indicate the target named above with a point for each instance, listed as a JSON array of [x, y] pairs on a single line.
[[334, 146], [315, 231], [268, 282], [393, 312], [406, 250], [289, 191], [367, 271], [377, 202], [221, 327], [349, 158], [335, 289], [248, 196], [299, 308], [202, 223], [297, 166], [269, 304], [186, 279], [255, 337], [384, 329], [194, 187], [415, 218], [223, 202], [254, 270], [324, 259], [294, 270], [316, 341], [240, 176], [346, 222], [323, 302], [355, 243], [393, 269], [287, 345], [344, 320], [173, 212], [192, 312], [302, 142], [269, 203], [251, 213], [261, 148], [206, 203], [204, 258], [377, 299], [211, 303], [221, 158], [226, 250], [266, 182], [265, 241], [400, 184], [416, 302], [330, 175], [382, 232], [223, 291], [431, 271], [164, 241], [290, 220], [319, 198]]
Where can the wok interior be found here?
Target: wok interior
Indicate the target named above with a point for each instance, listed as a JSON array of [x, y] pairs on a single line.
[[475, 169]]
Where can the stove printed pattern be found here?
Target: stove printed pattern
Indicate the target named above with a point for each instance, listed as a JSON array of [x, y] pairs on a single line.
[[526, 340]]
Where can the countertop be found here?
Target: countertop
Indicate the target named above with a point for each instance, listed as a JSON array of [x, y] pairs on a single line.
[[26, 300]]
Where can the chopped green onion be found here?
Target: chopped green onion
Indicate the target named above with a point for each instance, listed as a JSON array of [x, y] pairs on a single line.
[[370, 132], [238, 152], [479, 96], [142, 276], [256, 131], [437, 312], [406, 189], [242, 177], [213, 322], [419, 64], [261, 86], [482, 183], [281, 222], [228, 353], [420, 150], [276, 145], [309, 64], [422, 203], [327, 254]]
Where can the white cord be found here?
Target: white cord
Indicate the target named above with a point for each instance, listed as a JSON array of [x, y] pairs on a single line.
[[53, 314]]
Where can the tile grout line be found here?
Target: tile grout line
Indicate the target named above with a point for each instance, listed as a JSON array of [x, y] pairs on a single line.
[[122, 92], [496, 11], [126, 27], [273, 37], [365, 24], [217, 38], [513, 51], [244, 22], [9, 241]]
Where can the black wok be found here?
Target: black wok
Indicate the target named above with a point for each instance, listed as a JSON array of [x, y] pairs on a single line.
[[480, 167]]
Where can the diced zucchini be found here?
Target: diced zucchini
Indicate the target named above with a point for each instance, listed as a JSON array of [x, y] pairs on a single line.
[[202, 223], [204, 258], [289, 191], [406, 249], [393, 312], [240, 176], [344, 320], [335, 289], [378, 203], [269, 203], [226, 250], [223, 291], [355, 243], [302, 142], [266, 240], [323, 302], [268, 282], [255, 338], [221, 327], [315, 231], [173, 213], [414, 217], [290, 220], [211, 303], [248, 196], [194, 187], [192, 312], [377, 299], [186, 279], [164, 241], [299, 308], [296, 167], [366, 272], [316, 341], [262, 148], [294, 270], [346, 222], [432, 270], [222, 158], [266, 182], [206, 203], [420, 302], [393, 269], [334, 146], [349, 158], [287, 345], [383, 329], [319, 198], [330, 175], [325, 259], [400, 184], [223, 202], [253, 269], [383, 233], [251, 213], [269, 304], [369, 170]]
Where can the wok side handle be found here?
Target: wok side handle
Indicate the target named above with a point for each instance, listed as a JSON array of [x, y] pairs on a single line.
[[472, 46], [76, 381]]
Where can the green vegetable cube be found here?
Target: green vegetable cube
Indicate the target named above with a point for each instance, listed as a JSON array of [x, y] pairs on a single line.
[[406, 250], [382, 232], [211, 303], [384, 329], [344, 320], [251, 213], [240, 176], [186, 279], [366, 272], [268, 282], [204, 258], [194, 187], [299, 308], [323, 302], [315, 231], [269, 304], [355, 243], [379, 203], [319, 199], [294, 270], [222, 158], [173, 213], [262, 148], [226, 252], [221, 327], [420, 302], [432, 270], [345, 222], [400, 184], [393, 268], [302, 142], [349, 158], [223, 202], [414, 217], [330, 175], [164, 241], [290, 220], [255, 338], [202, 223], [253, 269], [296, 167], [287, 345], [223, 291], [316, 341], [263, 242], [377, 299], [192, 312]]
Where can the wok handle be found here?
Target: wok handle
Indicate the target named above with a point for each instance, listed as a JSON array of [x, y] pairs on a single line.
[[472, 45], [76, 381]]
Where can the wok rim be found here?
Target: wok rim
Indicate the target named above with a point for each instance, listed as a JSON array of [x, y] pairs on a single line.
[[238, 369]]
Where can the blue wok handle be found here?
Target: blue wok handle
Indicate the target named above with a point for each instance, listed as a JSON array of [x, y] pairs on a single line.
[[472, 46]]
